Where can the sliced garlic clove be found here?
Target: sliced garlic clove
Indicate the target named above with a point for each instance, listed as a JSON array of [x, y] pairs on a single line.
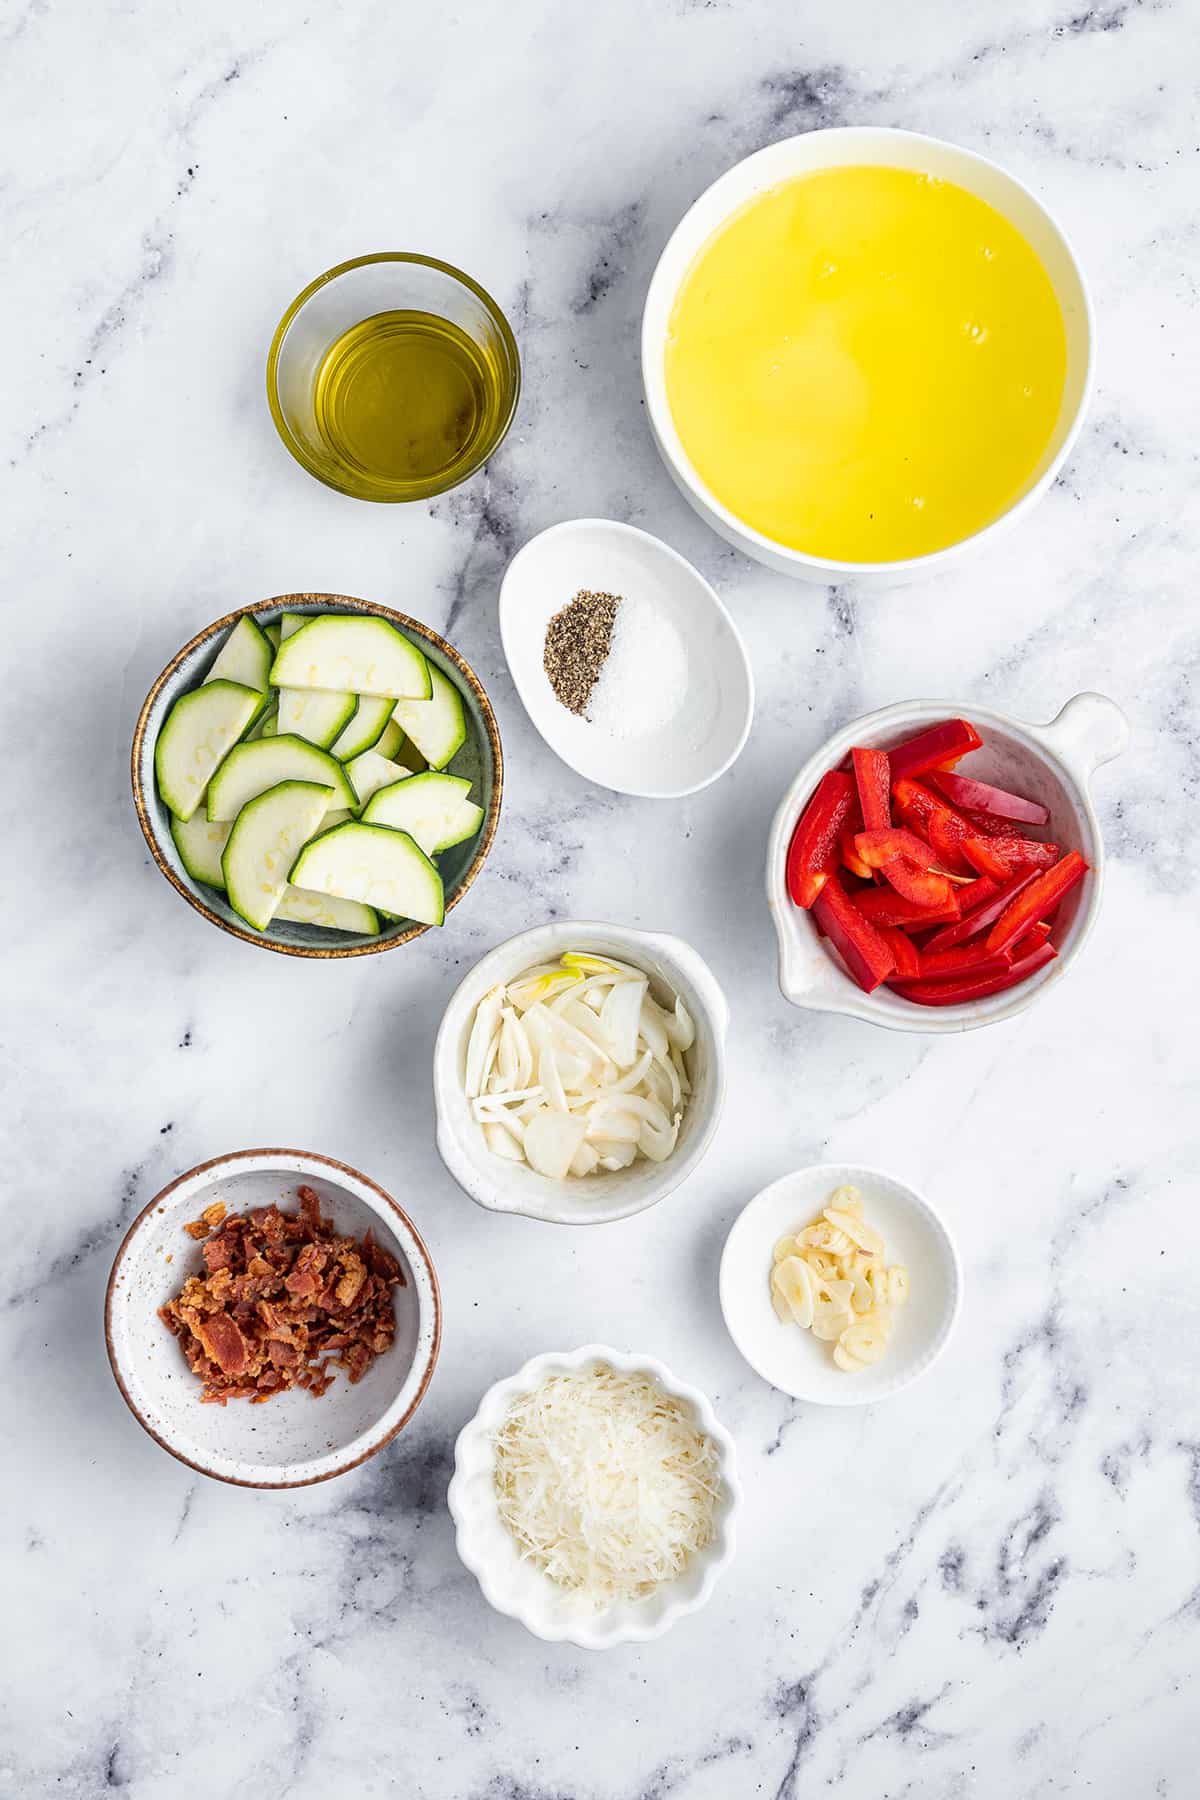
[[856, 1230], [791, 1278]]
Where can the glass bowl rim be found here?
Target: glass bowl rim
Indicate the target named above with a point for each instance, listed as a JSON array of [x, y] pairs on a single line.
[[293, 444]]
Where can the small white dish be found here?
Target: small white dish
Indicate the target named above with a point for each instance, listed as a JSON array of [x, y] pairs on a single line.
[[794, 1360], [521, 1590], [836, 148], [295, 1438], [1052, 763], [707, 733], [673, 967]]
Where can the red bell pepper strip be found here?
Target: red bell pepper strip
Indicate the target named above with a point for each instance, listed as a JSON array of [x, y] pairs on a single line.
[[977, 796], [877, 848], [975, 986], [964, 959], [865, 954], [975, 893], [982, 854], [813, 850], [937, 748], [921, 886], [872, 773], [883, 907], [905, 952], [1034, 901], [1037, 934], [850, 856], [1022, 852], [978, 918], [946, 840], [946, 830]]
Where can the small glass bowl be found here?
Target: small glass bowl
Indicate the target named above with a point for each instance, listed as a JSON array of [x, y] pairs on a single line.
[[343, 297]]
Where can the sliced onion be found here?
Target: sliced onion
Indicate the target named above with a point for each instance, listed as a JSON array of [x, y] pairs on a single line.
[[481, 1044], [653, 1027], [551, 1141], [550, 1079], [577, 1067], [608, 1120], [619, 1020], [502, 1143], [679, 1026], [584, 1160], [614, 1155], [520, 1037]]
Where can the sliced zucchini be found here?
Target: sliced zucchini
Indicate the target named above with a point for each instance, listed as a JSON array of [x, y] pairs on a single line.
[[290, 623], [391, 739], [463, 825], [426, 806], [253, 768], [244, 657], [371, 718], [370, 772], [437, 726], [263, 844], [372, 863], [266, 724], [200, 843], [271, 633], [198, 732], [352, 655], [318, 717], [325, 909]]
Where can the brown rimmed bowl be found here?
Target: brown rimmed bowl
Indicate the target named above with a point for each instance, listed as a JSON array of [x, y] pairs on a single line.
[[294, 1439], [480, 760]]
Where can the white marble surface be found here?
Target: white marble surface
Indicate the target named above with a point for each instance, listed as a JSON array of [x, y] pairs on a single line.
[[988, 1586]]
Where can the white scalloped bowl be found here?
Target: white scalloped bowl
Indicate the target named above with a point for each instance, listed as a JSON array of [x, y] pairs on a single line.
[[1052, 763], [796, 1362], [522, 1591], [673, 967]]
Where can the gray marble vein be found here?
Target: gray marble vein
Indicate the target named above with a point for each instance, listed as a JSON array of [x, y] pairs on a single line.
[[988, 1587]]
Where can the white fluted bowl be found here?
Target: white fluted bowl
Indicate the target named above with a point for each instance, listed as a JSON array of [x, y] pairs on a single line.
[[521, 1590]]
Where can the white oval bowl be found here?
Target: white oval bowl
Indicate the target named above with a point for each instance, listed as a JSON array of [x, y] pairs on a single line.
[[295, 1438], [521, 1590], [707, 733], [614, 1194], [836, 148], [1052, 763], [794, 1360]]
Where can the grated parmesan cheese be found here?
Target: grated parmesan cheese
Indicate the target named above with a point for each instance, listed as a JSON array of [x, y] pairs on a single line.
[[605, 1482]]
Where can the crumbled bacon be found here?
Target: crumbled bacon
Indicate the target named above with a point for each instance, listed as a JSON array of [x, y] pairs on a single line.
[[208, 1221], [281, 1302]]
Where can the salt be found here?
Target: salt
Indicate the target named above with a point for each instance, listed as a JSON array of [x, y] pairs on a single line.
[[643, 682]]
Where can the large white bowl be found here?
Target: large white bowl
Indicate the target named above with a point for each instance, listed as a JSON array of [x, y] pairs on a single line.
[[521, 1590], [617, 1194], [859, 144], [793, 1360], [1052, 763], [295, 1438], [706, 735]]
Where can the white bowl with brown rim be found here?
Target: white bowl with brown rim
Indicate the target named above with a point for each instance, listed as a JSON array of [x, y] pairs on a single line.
[[295, 1438]]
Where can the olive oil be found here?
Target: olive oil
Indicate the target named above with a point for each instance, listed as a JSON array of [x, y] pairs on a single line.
[[403, 399], [866, 363]]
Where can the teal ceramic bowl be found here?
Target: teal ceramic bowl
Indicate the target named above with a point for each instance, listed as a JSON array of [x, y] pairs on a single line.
[[480, 760]]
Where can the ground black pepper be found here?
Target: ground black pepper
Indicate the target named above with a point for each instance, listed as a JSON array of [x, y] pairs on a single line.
[[577, 643]]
